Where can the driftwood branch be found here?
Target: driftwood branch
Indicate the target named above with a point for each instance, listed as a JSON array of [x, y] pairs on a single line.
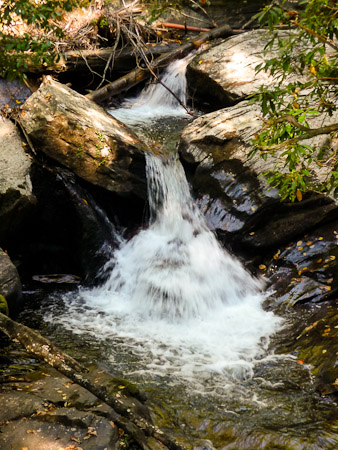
[[139, 74], [127, 417]]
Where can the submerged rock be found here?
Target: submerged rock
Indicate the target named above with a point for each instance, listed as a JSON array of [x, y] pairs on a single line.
[[16, 197], [10, 285], [79, 134]]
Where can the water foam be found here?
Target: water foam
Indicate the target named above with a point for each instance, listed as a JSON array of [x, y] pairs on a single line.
[[155, 101], [175, 299]]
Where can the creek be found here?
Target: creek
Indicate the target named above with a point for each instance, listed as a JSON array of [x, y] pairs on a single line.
[[180, 317]]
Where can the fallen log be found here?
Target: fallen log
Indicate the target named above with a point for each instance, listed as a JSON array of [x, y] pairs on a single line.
[[96, 60], [139, 74], [126, 415]]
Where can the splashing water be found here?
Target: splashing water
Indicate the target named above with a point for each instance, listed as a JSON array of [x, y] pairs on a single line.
[[155, 101], [175, 303]]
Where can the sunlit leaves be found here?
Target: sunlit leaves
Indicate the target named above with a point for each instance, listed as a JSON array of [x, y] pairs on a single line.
[[309, 52], [18, 49]]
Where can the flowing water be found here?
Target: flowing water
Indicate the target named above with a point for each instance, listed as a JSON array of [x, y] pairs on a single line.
[[181, 317]]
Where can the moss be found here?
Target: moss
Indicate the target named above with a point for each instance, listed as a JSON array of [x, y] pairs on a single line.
[[3, 306]]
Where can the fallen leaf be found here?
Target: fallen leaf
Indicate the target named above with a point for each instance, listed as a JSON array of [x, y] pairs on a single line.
[[324, 351], [75, 439], [276, 255], [252, 233], [319, 261], [121, 386], [300, 361], [31, 431], [262, 267], [320, 238], [299, 243], [335, 383], [300, 248], [299, 195], [309, 243]]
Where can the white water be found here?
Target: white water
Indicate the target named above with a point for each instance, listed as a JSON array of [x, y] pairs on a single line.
[[155, 101], [176, 302]]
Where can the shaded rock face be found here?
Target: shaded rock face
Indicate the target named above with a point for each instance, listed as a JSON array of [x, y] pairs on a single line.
[[16, 197], [231, 191], [10, 285], [80, 135]]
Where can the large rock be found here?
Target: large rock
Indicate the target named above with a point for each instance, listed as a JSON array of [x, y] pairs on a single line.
[[16, 196], [10, 285], [225, 74], [231, 188], [79, 134]]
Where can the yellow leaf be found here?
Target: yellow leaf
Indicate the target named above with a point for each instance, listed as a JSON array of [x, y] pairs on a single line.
[[313, 69], [18, 102], [85, 201], [30, 431], [299, 243], [335, 383], [276, 255], [324, 351], [121, 387], [309, 243], [300, 248], [252, 233], [299, 195], [262, 267], [332, 258], [200, 62], [320, 238]]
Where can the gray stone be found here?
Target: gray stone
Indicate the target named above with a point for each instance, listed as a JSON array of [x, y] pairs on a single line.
[[232, 190], [82, 136], [16, 195], [10, 284]]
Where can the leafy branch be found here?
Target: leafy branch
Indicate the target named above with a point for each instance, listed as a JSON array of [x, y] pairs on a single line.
[[304, 67]]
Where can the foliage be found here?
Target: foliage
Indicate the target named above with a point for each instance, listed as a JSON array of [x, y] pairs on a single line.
[[308, 50], [23, 30]]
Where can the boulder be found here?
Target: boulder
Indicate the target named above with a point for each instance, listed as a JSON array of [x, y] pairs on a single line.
[[16, 197], [225, 74], [10, 285], [231, 189], [82, 136]]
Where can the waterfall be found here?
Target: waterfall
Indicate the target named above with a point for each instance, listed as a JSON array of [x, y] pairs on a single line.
[[155, 101], [175, 302]]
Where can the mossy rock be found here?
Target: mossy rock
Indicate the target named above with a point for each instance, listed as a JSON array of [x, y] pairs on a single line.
[[3, 306]]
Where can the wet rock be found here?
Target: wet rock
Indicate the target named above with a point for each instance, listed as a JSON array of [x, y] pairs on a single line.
[[16, 197], [305, 271], [231, 189], [80, 135], [52, 412], [10, 285], [12, 94]]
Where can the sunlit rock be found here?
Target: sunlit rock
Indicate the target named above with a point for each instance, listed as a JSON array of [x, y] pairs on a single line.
[[80, 135], [16, 196]]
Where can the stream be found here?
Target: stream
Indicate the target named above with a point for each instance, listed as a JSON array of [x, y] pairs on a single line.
[[181, 318]]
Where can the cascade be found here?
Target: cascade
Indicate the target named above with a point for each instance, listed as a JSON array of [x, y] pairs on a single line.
[[174, 300]]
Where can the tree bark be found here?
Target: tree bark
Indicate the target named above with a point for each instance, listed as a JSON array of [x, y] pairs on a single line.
[[127, 417], [139, 74]]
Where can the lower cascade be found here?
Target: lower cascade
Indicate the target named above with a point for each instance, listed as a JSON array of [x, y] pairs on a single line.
[[175, 303]]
